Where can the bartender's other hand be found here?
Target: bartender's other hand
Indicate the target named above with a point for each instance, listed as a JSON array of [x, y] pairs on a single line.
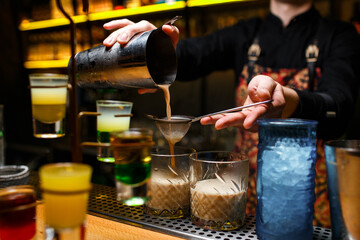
[[126, 29], [260, 88]]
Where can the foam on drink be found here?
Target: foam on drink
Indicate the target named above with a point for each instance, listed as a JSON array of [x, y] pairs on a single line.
[[172, 192], [213, 200]]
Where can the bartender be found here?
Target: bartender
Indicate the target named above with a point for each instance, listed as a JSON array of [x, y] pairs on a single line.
[[307, 64]]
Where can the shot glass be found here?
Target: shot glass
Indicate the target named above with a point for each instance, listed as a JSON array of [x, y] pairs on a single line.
[[48, 100], [218, 185], [65, 191], [132, 153], [169, 183], [285, 179], [115, 116], [17, 213]]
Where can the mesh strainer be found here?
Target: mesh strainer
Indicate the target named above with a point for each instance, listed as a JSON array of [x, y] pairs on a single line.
[[174, 129]]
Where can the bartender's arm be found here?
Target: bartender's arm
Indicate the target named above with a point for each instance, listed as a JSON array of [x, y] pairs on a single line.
[[260, 88]]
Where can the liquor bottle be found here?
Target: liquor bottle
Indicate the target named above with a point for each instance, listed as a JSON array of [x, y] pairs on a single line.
[[118, 4], [355, 19]]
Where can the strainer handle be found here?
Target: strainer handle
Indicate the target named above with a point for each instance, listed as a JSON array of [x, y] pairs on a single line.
[[236, 109]]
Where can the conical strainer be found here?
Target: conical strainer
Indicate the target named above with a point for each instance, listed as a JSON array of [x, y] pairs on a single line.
[[175, 129]]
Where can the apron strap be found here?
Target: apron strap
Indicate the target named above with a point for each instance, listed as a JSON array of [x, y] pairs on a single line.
[[312, 54], [253, 55]]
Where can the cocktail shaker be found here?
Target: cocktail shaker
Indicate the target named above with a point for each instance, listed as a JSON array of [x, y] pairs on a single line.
[[147, 60]]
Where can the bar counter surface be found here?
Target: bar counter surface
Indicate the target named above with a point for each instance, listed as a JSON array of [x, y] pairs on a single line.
[[109, 219], [106, 229]]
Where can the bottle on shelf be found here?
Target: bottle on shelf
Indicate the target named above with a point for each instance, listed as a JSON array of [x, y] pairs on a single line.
[[355, 19], [118, 4]]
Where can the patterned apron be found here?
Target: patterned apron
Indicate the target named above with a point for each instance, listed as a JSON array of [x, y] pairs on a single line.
[[246, 142]]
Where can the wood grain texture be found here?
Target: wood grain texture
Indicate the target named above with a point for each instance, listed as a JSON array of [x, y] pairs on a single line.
[[104, 229]]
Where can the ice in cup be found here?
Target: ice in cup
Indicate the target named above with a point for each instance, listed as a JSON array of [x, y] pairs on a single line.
[[218, 185], [48, 100], [285, 183], [65, 190], [132, 154], [169, 183], [17, 213], [115, 116]]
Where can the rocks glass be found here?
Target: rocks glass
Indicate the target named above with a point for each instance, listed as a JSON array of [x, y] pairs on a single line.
[[286, 179], [169, 183], [218, 185]]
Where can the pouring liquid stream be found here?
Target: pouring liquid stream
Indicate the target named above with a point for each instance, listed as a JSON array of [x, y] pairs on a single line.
[[171, 140]]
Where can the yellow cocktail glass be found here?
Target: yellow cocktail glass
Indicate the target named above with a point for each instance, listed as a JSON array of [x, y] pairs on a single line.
[[48, 100], [65, 189], [108, 122]]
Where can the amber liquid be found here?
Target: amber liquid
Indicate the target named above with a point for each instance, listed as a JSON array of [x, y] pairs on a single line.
[[350, 206], [349, 192], [132, 155], [49, 113], [170, 140]]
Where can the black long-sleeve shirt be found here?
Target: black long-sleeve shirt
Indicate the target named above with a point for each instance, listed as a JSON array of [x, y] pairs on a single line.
[[339, 61]]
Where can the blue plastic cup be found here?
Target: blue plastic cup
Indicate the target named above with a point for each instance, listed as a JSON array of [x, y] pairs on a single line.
[[286, 179]]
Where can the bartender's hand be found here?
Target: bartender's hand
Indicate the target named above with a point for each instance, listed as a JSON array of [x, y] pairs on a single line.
[[126, 29], [260, 88]]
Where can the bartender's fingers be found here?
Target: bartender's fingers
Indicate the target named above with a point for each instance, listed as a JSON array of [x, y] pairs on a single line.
[[211, 120], [115, 24], [173, 32], [230, 120], [224, 120], [145, 90], [124, 34]]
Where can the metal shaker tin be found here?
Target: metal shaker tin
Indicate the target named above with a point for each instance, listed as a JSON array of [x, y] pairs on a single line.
[[147, 60]]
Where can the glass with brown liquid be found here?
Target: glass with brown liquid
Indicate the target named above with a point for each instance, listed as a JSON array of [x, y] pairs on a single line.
[[132, 153]]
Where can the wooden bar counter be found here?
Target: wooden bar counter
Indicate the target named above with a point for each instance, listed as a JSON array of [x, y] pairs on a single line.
[[99, 228]]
